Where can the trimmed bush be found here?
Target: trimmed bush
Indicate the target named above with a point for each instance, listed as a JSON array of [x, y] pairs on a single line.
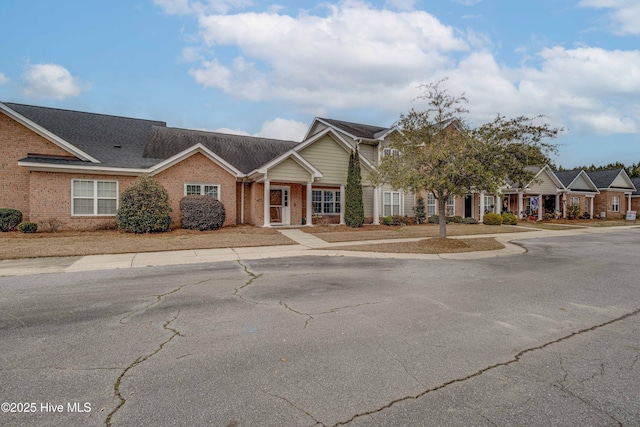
[[455, 219], [354, 204], [144, 207], [387, 220], [469, 221], [509, 219], [9, 219], [434, 219], [492, 219], [50, 225], [27, 227], [419, 211], [201, 213]]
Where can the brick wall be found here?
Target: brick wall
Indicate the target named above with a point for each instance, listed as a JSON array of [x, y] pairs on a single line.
[[17, 142], [198, 169], [604, 201]]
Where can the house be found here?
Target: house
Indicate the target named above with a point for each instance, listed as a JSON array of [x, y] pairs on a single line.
[[581, 192], [73, 166], [615, 193], [543, 194], [635, 196]]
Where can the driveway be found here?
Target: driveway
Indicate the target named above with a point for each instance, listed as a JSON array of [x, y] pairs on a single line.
[[545, 338]]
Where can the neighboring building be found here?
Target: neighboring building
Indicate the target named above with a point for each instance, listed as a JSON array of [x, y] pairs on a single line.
[[543, 194], [615, 191], [581, 191], [635, 196]]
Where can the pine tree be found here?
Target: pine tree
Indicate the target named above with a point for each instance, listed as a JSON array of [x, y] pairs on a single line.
[[354, 206]]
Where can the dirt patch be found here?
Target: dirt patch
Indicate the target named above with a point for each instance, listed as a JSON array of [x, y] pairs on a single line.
[[430, 246], [15, 245], [343, 233]]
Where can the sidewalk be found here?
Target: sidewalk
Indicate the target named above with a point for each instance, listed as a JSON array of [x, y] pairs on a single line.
[[308, 245]]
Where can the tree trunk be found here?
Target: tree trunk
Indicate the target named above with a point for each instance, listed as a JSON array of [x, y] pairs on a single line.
[[442, 213]]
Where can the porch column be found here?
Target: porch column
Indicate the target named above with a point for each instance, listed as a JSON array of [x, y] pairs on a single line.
[[564, 206], [497, 204], [557, 203], [342, 197], [267, 203], [376, 206], [629, 204], [481, 206], [540, 207], [309, 205], [591, 207], [520, 204]]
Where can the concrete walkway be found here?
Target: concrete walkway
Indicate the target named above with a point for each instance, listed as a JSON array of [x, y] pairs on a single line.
[[307, 245]]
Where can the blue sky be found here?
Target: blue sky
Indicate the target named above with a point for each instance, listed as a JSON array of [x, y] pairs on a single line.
[[266, 68]]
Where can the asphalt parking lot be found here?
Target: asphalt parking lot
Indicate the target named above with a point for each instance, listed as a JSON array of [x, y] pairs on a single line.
[[550, 337]]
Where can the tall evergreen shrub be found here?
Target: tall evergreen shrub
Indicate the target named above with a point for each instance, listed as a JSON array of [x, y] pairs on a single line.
[[144, 207], [420, 212], [354, 206]]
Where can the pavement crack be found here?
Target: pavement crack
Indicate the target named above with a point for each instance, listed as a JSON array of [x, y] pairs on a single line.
[[509, 362], [252, 278], [393, 357], [333, 310], [138, 361], [586, 402], [309, 317], [320, 423], [159, 298]]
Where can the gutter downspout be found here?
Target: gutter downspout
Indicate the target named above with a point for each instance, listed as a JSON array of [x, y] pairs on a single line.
[[242, 202]]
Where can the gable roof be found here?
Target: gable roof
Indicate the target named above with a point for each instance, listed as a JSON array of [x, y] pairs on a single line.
[[356, 130], [604, 179], [636, 183], [245, 153], [112, 140], [568, 178]]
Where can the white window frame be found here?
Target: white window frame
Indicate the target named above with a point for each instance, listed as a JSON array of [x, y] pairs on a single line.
[[202, 188], [388, 201], [489, 204], [450, 207], [94, 197], [574, 200], [394, 152], [323, 202], [615, 203], [432, 205]]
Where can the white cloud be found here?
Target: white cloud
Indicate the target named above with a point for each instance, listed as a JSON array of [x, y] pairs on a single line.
[[625, 14], [51, 81], [467, 2], [284, 129], [401, 4], [3, 79], [290, 130]]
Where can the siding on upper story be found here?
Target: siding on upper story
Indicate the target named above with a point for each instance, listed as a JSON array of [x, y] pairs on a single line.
[[330, 158], [289, 171], [545, 186]]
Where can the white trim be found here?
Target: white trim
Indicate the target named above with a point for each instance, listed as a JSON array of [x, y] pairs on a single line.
[[202, 185], [66, 146], [194, 149], [391, 204], [293, 155]]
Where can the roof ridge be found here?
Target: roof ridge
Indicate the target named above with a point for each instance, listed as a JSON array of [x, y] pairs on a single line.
[[229, 134], [353, 123], [84, 112]]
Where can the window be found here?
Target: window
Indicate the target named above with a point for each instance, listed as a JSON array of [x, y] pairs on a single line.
[[391, 152], [431, 204], [325, 202], [94, 197], [390, 203], [451, 205], [615, 203], [574, 201], [489, 204], [212, 190]]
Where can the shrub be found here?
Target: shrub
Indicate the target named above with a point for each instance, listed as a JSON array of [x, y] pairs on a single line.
[[27, 227], [50, 225], [586, 215], [455, 219], [434, 219], [387, 220], [492, 219], [144, 207], [509, 219], [9, 219], [354, 205], [469, 221], [201, 213], [419, 211]]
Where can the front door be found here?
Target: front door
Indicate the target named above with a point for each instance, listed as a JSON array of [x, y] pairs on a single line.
[[468, 206], [279, 206]]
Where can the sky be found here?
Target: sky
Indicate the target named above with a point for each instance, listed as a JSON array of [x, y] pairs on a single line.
[[267, 68]]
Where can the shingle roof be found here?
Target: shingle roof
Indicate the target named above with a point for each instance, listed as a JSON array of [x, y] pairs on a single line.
[[636, 182], [114, 141], [358, 130], [567, 177], [245, 153], [604, 178]]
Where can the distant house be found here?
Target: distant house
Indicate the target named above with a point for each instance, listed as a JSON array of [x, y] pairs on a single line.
[[615, 191], [581, 191], [635, 196]]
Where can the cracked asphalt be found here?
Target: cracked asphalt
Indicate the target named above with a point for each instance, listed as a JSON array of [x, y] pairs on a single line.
[[551, 337]]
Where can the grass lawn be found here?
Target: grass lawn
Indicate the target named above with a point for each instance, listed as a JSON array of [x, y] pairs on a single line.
[[430, 246], [566, 224], [15, 245], [343, 233]]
